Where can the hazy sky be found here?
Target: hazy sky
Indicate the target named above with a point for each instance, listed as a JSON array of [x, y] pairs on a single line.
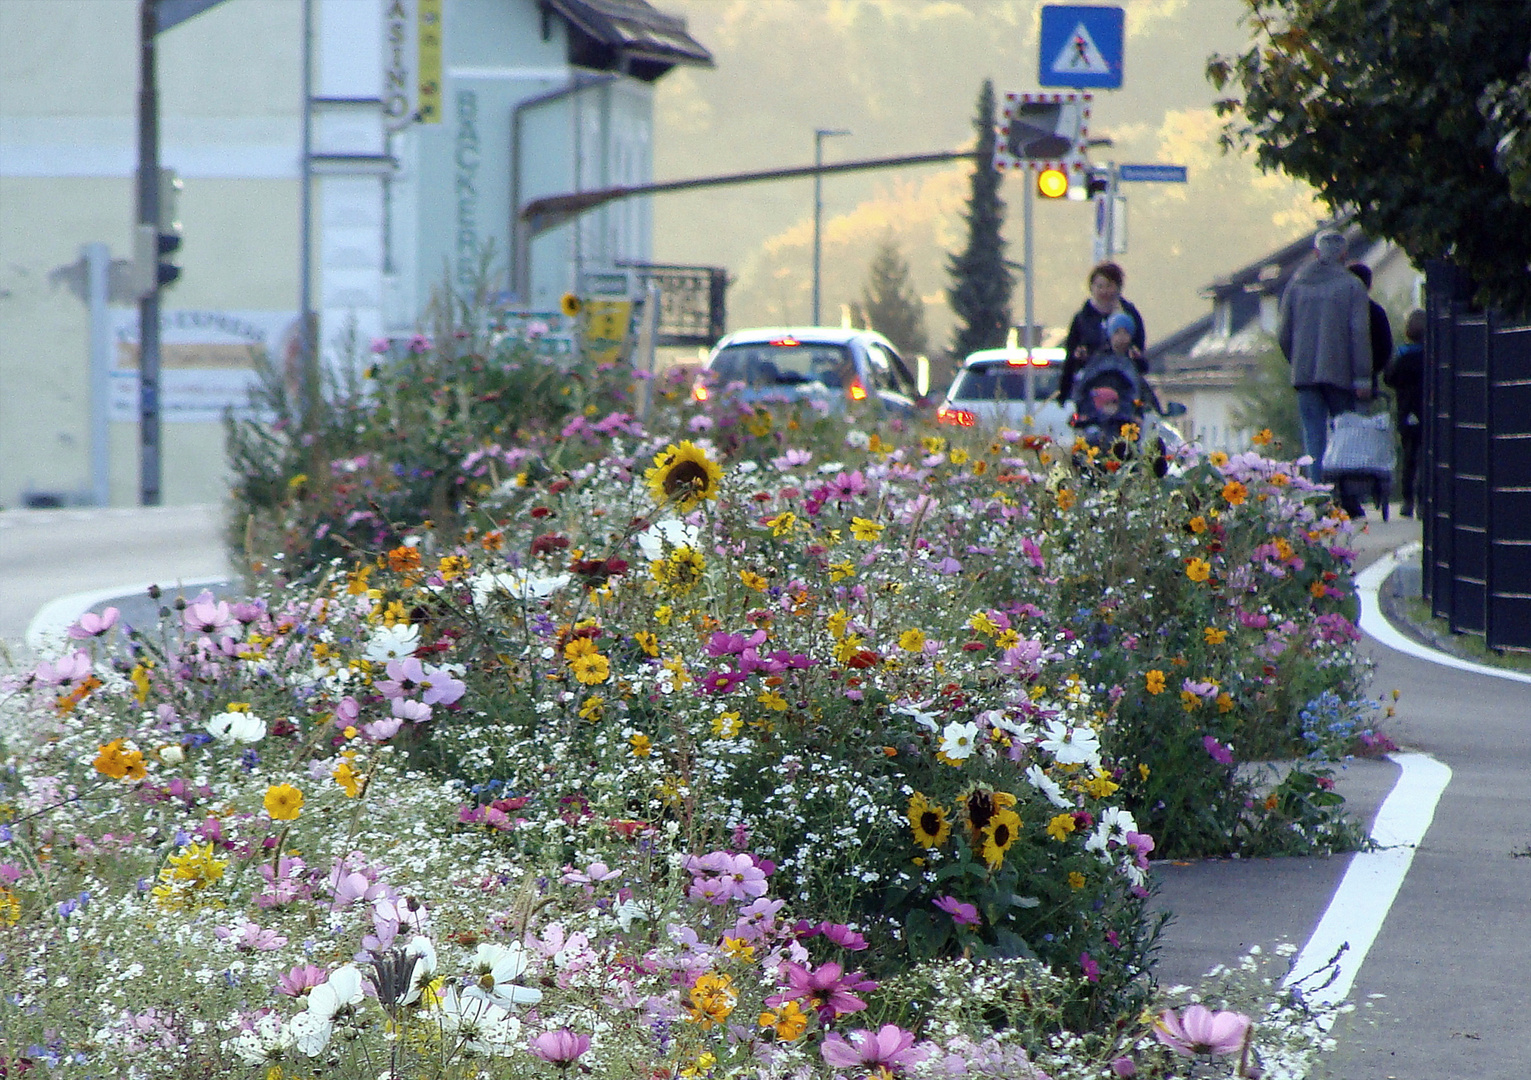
[[903, 76]]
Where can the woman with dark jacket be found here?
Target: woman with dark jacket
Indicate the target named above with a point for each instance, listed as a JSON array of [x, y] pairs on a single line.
[[1087, 333]]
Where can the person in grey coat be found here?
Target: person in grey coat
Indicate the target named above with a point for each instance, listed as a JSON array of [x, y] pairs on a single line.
[[1325, 335]]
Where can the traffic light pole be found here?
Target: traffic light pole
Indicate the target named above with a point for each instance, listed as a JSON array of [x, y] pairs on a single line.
[[1028, 203], [148, 304]]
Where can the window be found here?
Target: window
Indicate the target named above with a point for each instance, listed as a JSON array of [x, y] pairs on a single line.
[[1001, 382], [784, 365]]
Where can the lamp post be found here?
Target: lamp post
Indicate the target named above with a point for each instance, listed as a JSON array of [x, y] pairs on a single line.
[[819, 135]]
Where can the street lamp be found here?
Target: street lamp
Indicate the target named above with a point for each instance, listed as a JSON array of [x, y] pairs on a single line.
[[819, 135]]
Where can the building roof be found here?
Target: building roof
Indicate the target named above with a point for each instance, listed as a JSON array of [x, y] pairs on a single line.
[[631, 35]]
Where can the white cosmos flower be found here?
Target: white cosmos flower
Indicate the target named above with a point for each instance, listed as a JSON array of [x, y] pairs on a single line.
[[670, 531], [914, 710], [517, 584], [264, 1042], [495, 969], [236, 727], [423, 953], [958, 740], [392, 643], [483, 1026], [312, 1028], [1114, 825], [1047, 786], [1071, 745]]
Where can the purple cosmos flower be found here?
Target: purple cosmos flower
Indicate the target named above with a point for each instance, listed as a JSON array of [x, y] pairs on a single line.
[[1199, 1030], [962, 914], [92, 625], [562, 1047], [595, 872], [64, 670], [889, 1047], [300, 980], [1221, 754], [722, 681], [721, 644], [1090, 968], [720, 877]]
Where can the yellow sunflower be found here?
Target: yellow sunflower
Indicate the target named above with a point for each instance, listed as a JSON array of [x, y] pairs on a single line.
[[680, 570], [980, 806], [928, 820], [570, 305], [683, 476], [999, 835]]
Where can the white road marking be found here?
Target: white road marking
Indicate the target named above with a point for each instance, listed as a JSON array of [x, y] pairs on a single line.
[[1370, 580]]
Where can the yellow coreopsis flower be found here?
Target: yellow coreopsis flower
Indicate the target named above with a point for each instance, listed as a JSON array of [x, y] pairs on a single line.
[[788, 1021], [911, 640], [283, 802], [648, 642], [783, 523], [1153, 682], [1235, 493], [866, 529], [1061, 826], [1198, 569], [1214, 636], [120, 761], [711, 998], [642, 745], [346, 776], [752, 580]]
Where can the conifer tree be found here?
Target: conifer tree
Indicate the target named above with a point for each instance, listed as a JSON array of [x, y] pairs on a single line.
[[890, 304], [981, 282]]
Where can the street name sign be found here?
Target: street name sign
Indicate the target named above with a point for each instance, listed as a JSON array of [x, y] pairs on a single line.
[[1081, 46], [1163, 174]]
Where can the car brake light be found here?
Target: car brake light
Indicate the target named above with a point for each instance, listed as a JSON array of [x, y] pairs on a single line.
[[858, 392], [1040, 361], [1015, 361], [699, 392], [960, 417], [787, 341]]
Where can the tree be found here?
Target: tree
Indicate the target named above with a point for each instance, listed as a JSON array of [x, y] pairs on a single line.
[[981, 282], [1393, 110], [890, 304]]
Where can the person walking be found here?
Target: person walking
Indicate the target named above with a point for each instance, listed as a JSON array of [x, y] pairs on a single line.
[[1382, 330], [1087, 332], [1406, 375], [1325, 335]]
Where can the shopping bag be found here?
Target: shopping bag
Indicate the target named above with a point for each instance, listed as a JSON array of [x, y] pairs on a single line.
[[1359, 444]]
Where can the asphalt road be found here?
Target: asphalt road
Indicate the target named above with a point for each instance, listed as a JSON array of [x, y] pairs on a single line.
[[49, 554]]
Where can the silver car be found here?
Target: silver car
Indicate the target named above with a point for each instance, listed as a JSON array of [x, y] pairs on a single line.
[[841, 368], [990, 391]]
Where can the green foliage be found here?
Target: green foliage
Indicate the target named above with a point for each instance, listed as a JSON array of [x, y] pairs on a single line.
[[890, 302], [1382, 107], [980, 291], [1266, 400]]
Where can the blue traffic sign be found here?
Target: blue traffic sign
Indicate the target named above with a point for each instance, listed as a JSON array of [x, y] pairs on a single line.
[[1164, 174], [1081, 46]]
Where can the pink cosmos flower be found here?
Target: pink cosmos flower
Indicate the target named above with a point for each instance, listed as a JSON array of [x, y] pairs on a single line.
[[440, 687], [206, 616], [250, 937], [1221, 754], [720, 877], [1199, 1030], [92, 625], [962, 914], [889, 1047], [403, 676], [829, 989], [300, 980], [562, 1047], [595, 872], [64, 670]]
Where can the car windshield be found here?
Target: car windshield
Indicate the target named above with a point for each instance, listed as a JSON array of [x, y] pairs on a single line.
[[1002, 382], [784, 365]]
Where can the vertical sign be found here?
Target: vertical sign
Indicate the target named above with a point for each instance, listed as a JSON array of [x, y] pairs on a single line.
[[398, 30], [428, 77]]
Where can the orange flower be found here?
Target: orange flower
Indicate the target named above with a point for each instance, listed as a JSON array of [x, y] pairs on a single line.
[[1235, 493], [119, 761], [403, 558]]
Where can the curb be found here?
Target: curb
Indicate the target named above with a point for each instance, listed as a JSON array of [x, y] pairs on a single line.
[[1369, 583], [53, 619]]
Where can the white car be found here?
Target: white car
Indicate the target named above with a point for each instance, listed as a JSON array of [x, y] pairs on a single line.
[[841, 368], [990, 391]]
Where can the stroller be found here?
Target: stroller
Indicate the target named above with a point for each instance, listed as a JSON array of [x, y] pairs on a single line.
[[1110, 393]]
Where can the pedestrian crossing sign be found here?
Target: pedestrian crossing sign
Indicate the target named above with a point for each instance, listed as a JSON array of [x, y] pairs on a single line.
[[1081, 46]]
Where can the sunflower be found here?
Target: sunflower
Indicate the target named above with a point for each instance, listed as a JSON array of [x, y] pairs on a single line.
[[928, 820], [570, 305], [683, 476], [980, 806], [999, 835], [680, 570]]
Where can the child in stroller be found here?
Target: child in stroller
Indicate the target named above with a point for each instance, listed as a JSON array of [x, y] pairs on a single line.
[[1110, 391]]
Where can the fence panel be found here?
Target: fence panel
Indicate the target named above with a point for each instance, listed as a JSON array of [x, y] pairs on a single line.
[[1508, 618]]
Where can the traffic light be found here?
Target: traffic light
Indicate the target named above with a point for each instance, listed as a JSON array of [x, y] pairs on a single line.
[[169, 241], [152, 267], [1052, 183], [1098, 182]]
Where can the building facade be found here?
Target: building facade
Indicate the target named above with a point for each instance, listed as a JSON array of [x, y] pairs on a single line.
[[429, 121]]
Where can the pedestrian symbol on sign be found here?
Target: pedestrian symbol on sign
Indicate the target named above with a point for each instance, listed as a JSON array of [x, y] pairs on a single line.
[[1080, 56]]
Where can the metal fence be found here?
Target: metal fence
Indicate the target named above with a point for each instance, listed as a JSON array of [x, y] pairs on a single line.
[[1476, 465]]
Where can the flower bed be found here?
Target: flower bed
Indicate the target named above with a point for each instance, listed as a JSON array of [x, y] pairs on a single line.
[[675, 757]]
